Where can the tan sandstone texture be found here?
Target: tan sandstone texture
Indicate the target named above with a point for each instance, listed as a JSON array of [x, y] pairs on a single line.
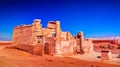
[[52, 39]]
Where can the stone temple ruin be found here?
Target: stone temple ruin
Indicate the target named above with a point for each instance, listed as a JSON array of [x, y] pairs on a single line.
[[52, 39]]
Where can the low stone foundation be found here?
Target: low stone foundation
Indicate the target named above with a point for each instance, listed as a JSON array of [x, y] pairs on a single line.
[[104, 55], [38, 50], [35, 50]]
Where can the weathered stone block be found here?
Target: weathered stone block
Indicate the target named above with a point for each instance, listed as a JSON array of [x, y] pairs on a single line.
[[38, 50]]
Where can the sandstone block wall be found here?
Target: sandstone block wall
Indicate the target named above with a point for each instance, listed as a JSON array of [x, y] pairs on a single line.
[[59, 42], [22, 35]]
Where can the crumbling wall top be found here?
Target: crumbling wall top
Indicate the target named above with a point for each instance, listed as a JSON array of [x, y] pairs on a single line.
[[22, 26], [37, 20]]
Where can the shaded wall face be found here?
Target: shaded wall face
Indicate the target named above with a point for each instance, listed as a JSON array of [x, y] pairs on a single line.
[[27, 34], [22, 35]]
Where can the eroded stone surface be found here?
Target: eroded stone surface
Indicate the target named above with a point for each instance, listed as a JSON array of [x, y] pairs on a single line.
[[58, 42]]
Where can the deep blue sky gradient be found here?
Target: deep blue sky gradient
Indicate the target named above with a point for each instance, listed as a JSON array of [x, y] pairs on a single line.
[[96, 18]]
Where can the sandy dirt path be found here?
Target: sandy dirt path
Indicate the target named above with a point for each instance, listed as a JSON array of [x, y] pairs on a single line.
[[17, 58]]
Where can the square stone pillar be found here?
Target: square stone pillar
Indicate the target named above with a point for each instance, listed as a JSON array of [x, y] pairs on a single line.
[[58, 41], [80, 42]]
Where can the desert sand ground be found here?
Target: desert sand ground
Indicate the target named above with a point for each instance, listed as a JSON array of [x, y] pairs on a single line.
[[17, 58]]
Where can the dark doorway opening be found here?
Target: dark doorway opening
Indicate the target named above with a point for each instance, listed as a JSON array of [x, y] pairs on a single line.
[[47, 48]]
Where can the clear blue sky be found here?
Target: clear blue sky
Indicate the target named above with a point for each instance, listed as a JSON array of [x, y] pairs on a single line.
[[96, 18]]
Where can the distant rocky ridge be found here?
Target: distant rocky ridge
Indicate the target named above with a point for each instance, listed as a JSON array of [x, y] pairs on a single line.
[[5, 41], [108, 38]]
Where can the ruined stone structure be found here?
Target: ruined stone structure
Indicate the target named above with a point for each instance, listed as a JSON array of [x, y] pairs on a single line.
[[83, 45], [106, 55], [53, 40]]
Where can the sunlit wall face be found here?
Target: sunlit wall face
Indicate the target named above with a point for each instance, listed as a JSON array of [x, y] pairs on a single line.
[[96, 18]]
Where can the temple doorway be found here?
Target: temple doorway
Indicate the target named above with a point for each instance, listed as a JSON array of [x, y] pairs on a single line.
[[47, 48]]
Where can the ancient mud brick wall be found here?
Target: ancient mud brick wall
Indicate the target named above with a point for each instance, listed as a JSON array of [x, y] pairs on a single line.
[[22, 35], [27, 34], [59, 42]]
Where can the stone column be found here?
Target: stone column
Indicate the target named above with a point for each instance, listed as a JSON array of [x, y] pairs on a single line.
[[80, 42], [57, 43]]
